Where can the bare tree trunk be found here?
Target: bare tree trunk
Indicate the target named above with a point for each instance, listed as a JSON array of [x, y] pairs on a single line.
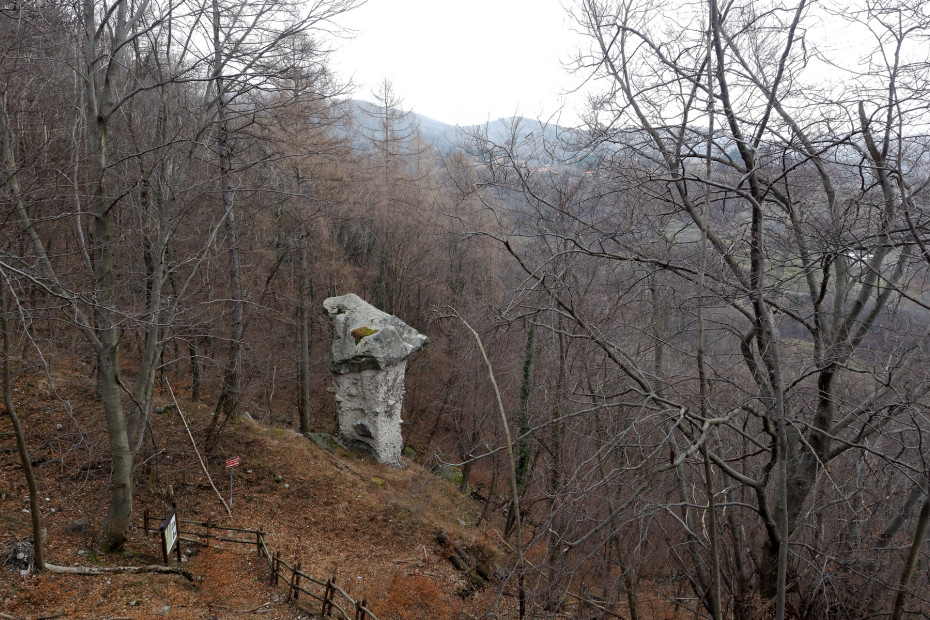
[[25, 459], [553, 593], [467, 468], [524, 446], [195, 368], [149, 360], [116, 523], [98, 109], [915, 495], [514, 489], [919, 532], [303, 319], [704, 388], [712, 535], [103, 335], [629, 584], [228, 404], [766, 341], [152, 358]]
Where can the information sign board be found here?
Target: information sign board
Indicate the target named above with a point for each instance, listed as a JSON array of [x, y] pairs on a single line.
[[169, 534]]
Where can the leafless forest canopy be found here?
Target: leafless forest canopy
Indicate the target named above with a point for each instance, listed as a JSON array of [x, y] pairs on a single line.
[[706, 307]]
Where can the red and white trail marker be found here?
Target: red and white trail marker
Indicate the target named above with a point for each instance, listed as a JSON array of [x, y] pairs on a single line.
[[230, 463]]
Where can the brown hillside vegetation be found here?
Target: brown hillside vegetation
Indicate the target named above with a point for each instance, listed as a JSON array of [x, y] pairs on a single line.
[[372, 527], [677, 360]]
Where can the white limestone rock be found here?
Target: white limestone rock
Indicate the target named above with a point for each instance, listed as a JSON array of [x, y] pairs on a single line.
[[369, 414], [368, 358], [366, 338]]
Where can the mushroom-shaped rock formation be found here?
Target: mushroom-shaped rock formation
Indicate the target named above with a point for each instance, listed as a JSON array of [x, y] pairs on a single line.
[[368, 359]]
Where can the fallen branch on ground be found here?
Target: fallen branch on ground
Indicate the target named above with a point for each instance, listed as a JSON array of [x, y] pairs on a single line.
[[111, 570], [261, 609], [596, 606]]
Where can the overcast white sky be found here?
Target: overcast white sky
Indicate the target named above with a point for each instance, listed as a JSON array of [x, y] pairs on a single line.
[[463, 62]]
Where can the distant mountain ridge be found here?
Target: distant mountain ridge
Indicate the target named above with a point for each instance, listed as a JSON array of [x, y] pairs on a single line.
[[446, 138]]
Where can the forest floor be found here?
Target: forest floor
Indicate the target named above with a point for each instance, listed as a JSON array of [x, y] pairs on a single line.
[[340, 514]]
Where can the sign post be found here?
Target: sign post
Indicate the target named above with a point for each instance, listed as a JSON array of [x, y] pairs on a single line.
[[169, 534], [230, 464]]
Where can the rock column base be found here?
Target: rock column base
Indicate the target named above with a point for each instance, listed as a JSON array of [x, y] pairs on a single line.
[[369, 404]]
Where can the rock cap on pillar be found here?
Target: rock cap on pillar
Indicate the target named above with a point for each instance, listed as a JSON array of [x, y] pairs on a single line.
[[366, 338]]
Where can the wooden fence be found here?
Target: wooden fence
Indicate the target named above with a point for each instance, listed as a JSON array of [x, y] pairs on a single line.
[[292, 576]]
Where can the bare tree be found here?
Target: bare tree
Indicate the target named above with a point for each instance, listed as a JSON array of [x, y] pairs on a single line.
[[38, 541], [251, 57], [131, 179], [776, 206]]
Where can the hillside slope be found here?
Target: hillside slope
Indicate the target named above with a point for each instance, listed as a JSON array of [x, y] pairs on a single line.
[[339, 514]]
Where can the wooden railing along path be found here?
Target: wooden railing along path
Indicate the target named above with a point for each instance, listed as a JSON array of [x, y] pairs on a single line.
[[280, 570]]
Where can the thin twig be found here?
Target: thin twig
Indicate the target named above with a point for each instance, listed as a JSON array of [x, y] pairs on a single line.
[[518, 529], [196, 451]]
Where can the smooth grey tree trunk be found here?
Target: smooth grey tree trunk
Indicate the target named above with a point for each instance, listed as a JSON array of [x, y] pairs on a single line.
[[99, 107], [228, 404]]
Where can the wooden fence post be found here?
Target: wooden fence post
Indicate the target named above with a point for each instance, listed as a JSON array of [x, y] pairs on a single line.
[[328, 597], [290, 585], [295, 581]]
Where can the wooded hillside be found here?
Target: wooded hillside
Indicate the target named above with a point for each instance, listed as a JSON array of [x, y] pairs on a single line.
[[706, 308]]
